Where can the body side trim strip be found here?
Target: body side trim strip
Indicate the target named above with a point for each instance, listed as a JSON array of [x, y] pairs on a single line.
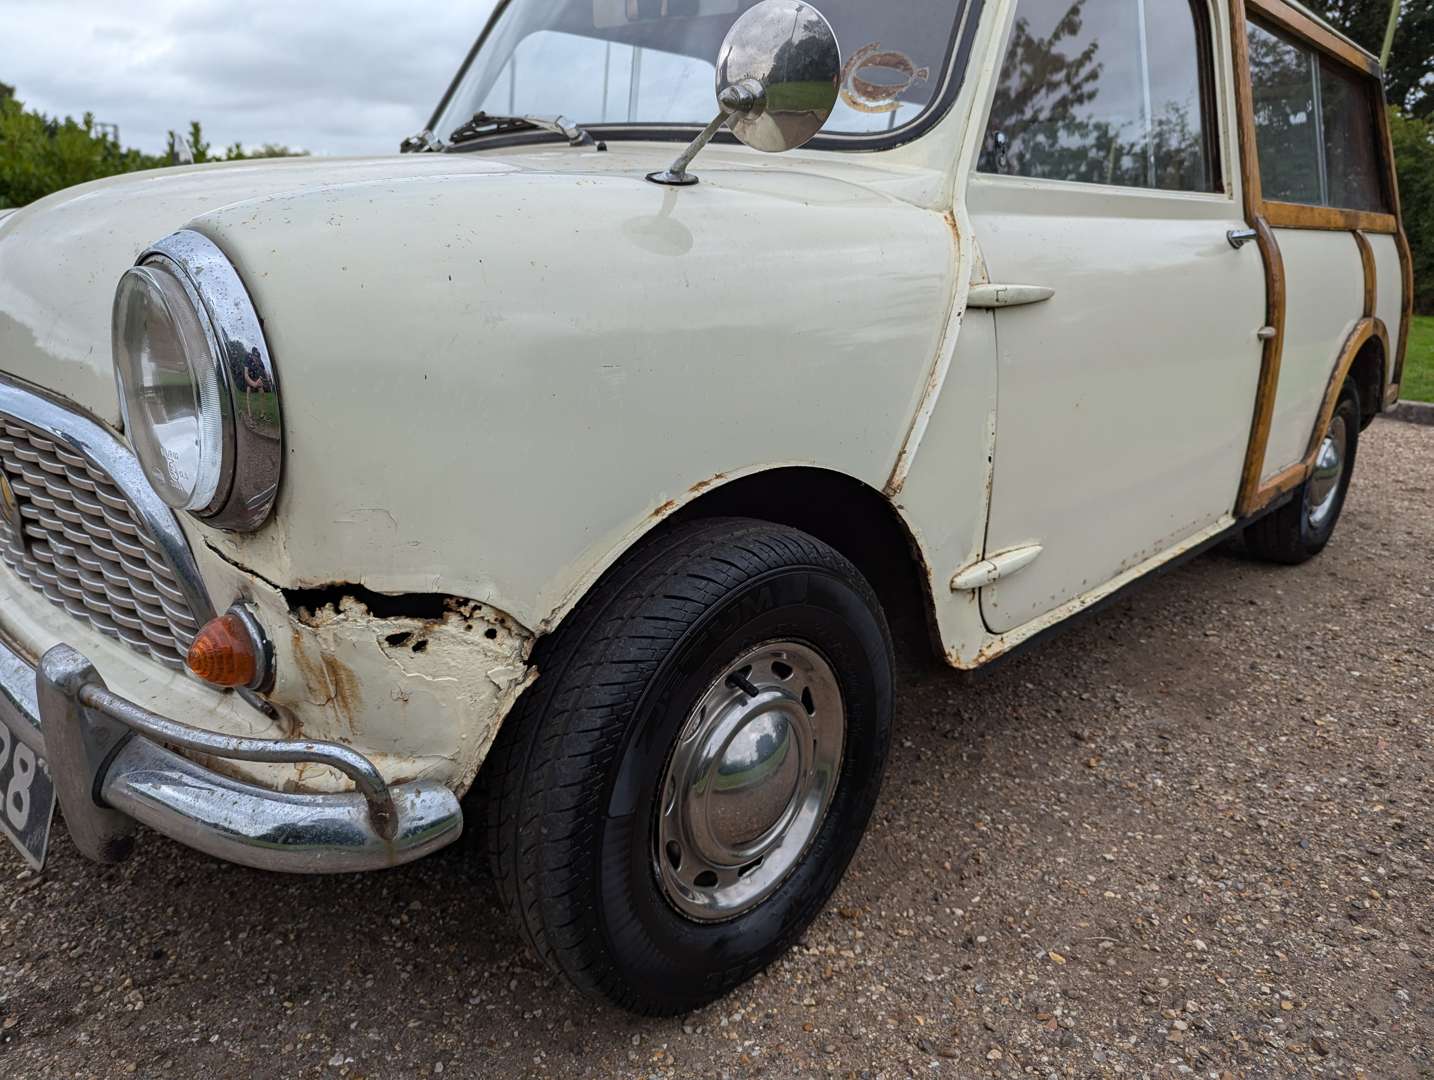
[[1292, 477], [1371, 274]]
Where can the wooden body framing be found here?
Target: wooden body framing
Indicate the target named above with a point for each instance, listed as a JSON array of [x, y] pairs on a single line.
[[1265, 216]]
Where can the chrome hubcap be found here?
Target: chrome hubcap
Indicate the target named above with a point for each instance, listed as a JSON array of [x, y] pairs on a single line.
[[1323, 488], [749, 781]]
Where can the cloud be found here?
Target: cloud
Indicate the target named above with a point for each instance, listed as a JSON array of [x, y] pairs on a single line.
[[349, 78]]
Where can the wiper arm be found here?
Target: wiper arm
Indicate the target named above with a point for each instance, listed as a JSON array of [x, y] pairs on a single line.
[[425, 142], [483, 124]]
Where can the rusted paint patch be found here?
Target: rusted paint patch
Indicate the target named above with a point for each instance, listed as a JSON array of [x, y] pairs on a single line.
[[702, 485], [671, 506], [432, 682]]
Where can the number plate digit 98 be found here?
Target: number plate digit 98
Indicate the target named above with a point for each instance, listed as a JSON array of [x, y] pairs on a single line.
[[17, 776], [27, 797]]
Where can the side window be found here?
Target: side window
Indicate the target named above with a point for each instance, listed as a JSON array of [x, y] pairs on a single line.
[[1314, 126], [1106, 92]]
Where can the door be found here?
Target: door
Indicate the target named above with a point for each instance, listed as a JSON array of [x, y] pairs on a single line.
[[1126, 397]]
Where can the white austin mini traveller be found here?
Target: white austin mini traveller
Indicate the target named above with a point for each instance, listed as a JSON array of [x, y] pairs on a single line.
[[584, 463]]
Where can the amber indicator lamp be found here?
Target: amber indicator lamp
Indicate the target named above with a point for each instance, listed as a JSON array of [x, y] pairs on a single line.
[[224, 653]]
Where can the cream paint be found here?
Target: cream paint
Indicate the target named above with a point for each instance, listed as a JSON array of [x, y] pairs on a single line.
[[1118, 436], [944, 497], [1324, 292], [61, 257], [500, 369], [1389, 294], [566, 390]]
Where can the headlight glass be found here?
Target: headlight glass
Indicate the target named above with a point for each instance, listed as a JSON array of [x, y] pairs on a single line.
[[169, 376], [198, 391]]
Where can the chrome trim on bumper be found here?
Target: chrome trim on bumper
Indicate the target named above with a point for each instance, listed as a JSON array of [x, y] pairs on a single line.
[[271, 830], [110, 772]]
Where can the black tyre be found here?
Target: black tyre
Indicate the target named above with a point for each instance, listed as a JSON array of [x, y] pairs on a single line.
[[684, 786], [1299, 530]]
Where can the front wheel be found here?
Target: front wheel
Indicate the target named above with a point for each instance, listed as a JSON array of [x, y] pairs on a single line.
[[681, 792], [1299, 530]]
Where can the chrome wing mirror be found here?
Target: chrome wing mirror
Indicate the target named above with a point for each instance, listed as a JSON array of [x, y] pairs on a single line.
[[777, 77]]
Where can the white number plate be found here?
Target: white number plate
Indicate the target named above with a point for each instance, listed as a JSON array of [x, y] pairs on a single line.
[[28, 795]]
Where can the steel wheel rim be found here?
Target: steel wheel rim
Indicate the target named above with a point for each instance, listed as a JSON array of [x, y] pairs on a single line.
[[1323, 489], [749, 781]]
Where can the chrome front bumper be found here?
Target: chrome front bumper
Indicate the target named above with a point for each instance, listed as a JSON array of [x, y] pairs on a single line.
[[113, 766]]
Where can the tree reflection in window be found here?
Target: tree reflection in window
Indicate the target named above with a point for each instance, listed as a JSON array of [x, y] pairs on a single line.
[[1103, 92], [1286, 121], [1314, 126]]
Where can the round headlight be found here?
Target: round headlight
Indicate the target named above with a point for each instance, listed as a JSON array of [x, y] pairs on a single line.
[[197, 389], [169, 381]]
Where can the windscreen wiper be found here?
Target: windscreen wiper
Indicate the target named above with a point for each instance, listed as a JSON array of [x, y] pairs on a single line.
[[483, 125]]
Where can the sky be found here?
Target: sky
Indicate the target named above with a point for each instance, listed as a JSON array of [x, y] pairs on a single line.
[[350, 77]]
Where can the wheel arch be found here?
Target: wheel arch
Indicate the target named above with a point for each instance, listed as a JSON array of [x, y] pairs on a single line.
[[1369, 370], [840, 510]]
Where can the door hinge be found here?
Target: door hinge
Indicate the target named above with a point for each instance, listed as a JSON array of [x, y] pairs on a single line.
[[989, 571]]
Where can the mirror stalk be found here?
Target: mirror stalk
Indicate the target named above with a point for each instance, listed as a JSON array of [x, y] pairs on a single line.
[[746, 97], [676, 174]]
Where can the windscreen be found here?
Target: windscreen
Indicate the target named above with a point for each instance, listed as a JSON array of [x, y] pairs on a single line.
[[653, 62]]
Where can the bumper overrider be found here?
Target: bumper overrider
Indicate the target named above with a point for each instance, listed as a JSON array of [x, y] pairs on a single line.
[[114, 765]]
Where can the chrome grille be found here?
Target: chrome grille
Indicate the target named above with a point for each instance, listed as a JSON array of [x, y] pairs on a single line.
[[87, 546]]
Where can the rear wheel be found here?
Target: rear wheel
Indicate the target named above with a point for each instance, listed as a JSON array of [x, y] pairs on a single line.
[[682, 790], [1300, 529]]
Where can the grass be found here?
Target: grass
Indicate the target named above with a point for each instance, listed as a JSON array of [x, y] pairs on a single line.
[[1419, 365]]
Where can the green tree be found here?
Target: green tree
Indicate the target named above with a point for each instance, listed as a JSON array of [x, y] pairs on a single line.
[[1414, 152], [41, 154], [1410, 78]]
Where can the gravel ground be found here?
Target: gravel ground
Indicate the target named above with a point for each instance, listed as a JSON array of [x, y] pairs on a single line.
[[1190, 837]]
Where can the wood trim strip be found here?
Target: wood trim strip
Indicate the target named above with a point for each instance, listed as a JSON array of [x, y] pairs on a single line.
[[1270, 362], [1371, 274], [1285, 215], [1264, 405], [1406, 320], [1245, 109], [1282, 483], [1318, 35], [1365, 331], [1406, 262]]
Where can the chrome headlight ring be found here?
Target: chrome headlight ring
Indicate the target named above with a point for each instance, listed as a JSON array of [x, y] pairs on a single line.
[[251, 443]]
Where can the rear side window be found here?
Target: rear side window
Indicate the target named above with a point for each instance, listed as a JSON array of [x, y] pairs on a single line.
[[1315, 125], [1106, 92]]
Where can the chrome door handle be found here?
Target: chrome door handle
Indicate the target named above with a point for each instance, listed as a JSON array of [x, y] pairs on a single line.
[[1240, 237]]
